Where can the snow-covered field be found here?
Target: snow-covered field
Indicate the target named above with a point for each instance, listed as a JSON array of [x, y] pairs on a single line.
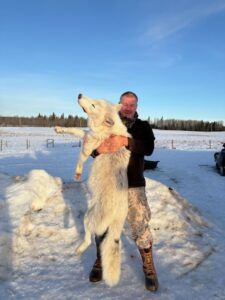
[[38, 235]]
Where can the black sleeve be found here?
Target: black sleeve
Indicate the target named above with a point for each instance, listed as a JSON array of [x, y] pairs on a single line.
[[94, 153], [144, 145]]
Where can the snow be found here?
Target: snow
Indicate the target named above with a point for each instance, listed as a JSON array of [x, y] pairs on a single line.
[[42, 209]]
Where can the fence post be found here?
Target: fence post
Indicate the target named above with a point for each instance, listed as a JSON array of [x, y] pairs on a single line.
[[172, 144], [1, 145], [210, 144], [28, 144], [50, 142]]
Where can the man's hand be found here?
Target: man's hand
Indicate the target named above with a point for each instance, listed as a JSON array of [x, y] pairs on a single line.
[[112, 144]]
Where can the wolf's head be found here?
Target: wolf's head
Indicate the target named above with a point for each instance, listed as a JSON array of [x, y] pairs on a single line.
[[102, 115]]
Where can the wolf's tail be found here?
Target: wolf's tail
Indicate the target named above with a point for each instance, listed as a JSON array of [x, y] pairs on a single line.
[[110, 251]]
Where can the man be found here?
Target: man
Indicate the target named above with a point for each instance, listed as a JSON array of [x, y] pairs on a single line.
[[141, 144]]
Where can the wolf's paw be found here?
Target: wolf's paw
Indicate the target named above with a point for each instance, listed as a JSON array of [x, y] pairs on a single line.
[[79, 250], [83, 246], [58, 129], [77, 177]]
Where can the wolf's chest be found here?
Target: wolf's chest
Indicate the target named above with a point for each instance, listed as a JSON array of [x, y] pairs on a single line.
[[110, 168]]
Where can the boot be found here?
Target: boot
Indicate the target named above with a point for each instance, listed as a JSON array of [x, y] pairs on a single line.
[[96, 272], [151, 280]]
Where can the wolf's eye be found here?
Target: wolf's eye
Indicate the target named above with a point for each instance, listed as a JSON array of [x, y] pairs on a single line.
[[93, 105]]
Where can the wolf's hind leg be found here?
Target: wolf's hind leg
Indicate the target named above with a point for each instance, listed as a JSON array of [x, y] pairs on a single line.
[[87, 238]]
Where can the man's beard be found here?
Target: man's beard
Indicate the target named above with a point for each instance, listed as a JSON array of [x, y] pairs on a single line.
[[128, 122]]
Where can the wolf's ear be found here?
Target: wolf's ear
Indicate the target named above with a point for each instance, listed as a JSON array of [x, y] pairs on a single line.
[[108, 121], [118, 107]]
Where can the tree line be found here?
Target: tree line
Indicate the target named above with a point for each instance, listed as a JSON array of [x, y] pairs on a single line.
[[75, 121], [44, 121], [189, 125]]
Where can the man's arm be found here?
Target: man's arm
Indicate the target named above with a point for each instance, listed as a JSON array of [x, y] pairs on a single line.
[[144, 146], [112, 144]]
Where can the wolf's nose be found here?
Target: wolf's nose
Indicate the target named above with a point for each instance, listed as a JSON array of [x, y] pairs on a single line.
[[79, 96]]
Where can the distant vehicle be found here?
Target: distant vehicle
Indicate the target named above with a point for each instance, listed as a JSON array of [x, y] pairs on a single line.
[[220, 160]]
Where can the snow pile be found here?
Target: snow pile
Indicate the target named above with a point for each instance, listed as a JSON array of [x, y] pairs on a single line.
[[39, 227], [180, 233], [32, 220], [5, 245]]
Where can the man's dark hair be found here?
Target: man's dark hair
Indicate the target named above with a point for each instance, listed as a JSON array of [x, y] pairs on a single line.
[[129, 93]]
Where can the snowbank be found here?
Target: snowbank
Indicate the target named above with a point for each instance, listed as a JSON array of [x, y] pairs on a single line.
[[180, 232], [41, 221]]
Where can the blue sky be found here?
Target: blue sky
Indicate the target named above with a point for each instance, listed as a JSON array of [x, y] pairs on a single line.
[[171, 53]]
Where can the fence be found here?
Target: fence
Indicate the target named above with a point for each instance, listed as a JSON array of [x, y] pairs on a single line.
[[3, 143], [188, 144], [28, 143]]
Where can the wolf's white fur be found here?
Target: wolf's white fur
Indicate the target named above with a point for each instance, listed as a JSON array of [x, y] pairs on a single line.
[[107, 208]]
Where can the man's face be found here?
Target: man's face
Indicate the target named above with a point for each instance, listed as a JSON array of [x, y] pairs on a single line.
[[129, 106]]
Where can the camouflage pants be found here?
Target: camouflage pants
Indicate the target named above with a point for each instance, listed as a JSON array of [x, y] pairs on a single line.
[[138, 217]]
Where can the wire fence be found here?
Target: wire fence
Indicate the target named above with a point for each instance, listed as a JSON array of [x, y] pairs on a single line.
[[183, 144], [28, 143], [21, 143]]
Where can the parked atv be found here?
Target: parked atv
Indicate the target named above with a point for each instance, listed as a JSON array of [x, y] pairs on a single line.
[[220, 160]]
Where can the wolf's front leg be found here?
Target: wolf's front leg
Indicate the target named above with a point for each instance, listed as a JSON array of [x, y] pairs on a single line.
[[87, 149], [79, 167], [71, 130]]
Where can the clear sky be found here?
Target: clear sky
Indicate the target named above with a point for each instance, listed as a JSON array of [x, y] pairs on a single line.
[[170, 52]]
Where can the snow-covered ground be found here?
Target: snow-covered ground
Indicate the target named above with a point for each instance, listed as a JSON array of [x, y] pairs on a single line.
[[38, 235]]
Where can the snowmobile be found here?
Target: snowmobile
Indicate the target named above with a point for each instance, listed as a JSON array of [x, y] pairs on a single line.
[[220, 160], [150, 164]]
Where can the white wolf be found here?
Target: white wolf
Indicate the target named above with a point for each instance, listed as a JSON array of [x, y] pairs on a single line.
[[107, 208]]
